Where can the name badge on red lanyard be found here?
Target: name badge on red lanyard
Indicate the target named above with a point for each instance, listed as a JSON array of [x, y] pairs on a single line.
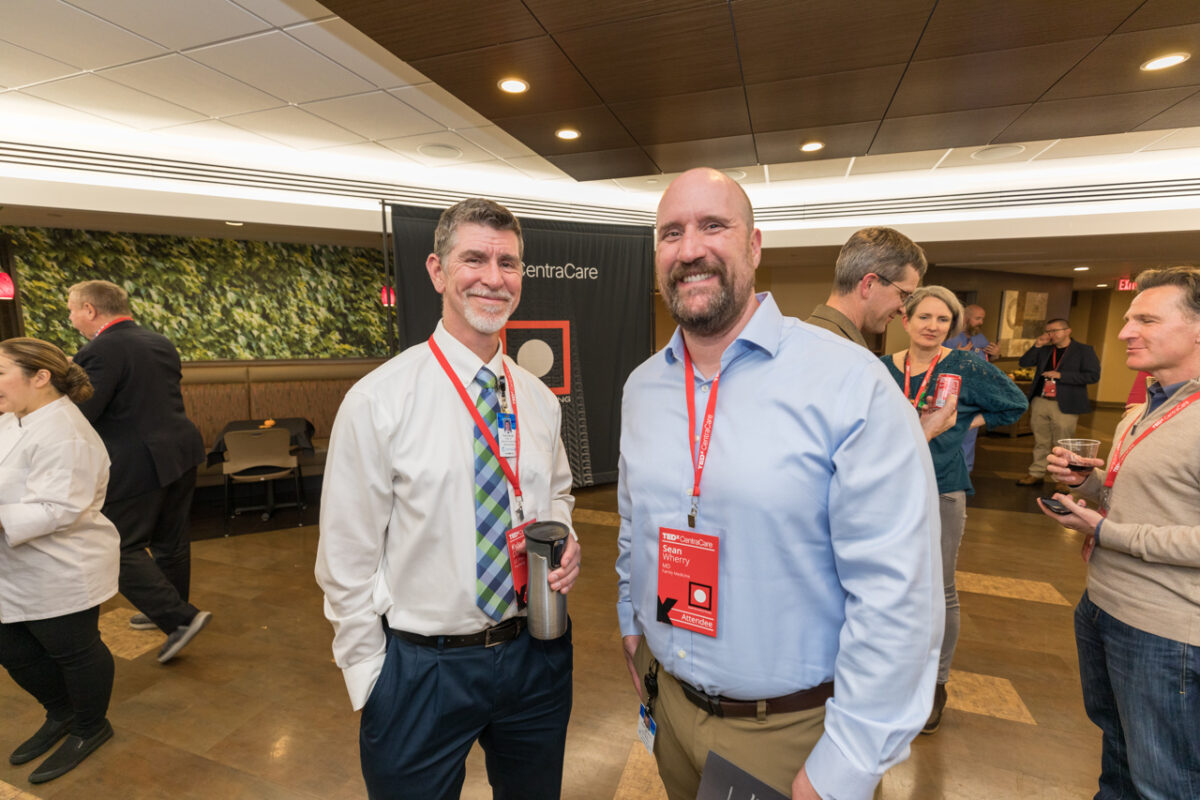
[[1119, 455], [512, 473], [688, 565]]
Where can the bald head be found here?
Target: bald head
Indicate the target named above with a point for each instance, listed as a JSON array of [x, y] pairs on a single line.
[[973, 319], [707, 185]]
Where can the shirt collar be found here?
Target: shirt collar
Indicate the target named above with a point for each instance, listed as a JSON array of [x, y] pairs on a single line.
[[763, 332], [1157, 394], [35, 418], [848, 328], [464, 362]]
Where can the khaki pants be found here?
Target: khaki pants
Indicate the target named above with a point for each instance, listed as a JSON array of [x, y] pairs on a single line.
[[772, 749], [1049, 425]]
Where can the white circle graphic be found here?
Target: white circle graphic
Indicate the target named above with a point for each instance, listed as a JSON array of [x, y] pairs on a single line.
[[536, 356], [699, 596]]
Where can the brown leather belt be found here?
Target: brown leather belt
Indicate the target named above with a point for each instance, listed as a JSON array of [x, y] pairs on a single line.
[[720, 706], [506, 631]]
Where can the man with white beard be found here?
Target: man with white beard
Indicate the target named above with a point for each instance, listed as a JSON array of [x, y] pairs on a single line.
[[422, 486]]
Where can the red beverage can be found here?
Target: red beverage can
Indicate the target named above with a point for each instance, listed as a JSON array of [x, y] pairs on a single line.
[[947, 384]]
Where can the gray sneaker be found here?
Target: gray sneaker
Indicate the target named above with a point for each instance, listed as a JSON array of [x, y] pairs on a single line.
[[179, 638], [140, 622]]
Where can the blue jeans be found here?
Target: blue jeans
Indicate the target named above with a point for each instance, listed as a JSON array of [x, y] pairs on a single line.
[[1143, 692]]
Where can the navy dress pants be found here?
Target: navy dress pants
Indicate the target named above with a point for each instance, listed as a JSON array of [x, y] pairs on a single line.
[[430, 705]]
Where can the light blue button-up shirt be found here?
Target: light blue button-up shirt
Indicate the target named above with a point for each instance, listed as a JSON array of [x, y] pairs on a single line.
[[820, 487]]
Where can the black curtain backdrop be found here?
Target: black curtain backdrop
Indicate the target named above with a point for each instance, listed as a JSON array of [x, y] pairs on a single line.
[[584, 322]]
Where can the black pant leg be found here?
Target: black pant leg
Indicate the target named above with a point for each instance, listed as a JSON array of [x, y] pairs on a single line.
[[141, 579], [31, 668], [85, 663], [170, 543]]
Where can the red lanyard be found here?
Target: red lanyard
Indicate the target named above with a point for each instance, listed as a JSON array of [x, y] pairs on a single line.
[[110, 323], [513, 480], [1119, 457], [1054, 359], [700, 452], [924, 383]]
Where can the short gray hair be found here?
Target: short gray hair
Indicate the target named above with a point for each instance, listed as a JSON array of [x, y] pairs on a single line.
[[1186, 278], [105, 296], [474, 211], [884, 251], [943, 294]]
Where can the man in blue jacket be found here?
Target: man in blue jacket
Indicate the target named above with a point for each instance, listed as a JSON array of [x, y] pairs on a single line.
[[1059, 391]]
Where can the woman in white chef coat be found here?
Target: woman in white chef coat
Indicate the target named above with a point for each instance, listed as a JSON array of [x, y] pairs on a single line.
[[58, 555]]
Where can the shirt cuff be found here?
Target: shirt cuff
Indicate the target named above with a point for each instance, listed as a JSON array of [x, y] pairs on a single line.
[[1096, 533], [360, 679], [625, 619], [836, 778]]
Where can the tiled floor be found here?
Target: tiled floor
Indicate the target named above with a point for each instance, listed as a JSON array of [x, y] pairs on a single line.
[[255, 708]]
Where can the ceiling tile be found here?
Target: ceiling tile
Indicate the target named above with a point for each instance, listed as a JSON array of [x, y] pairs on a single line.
[[279, 65], [896, 162], [472, 76], [780, 39], [19, 67], [495, 169], [1185, 137], [357, 52], [624, 60], [655, 184], [984, 80], [1184, 114], [215, 130], [538, 167], [435, 102], [565, 15], [370, 151], [1090, 116], [412, 146], [496, 141], [104, 98], [1114, 65], [974, 26], [177, 26], [781, 147], [730, 151], [93, 43], [965, 156], [294, 127], [952, 129], [807, 170], [599, 164], [1112, 144], [285, 12], [204, 90], [20, 104], [1161, 14], [417, 29], [599, 130], [375, 115], [704, 115], [833, 99]]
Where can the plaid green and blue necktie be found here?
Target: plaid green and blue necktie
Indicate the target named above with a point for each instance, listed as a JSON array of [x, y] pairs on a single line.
[[493, 574]]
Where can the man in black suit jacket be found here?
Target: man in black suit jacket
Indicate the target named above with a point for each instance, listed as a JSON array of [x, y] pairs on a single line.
[[1059, 391], [138, 411]]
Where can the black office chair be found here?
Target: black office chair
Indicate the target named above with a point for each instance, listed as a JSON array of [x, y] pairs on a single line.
[[260, 456]]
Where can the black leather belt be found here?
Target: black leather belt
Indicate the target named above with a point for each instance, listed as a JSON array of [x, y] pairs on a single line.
[[720, 706], [506, 631]]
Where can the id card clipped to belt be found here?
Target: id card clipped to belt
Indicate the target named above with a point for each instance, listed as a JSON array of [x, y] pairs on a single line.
[[688, 569]]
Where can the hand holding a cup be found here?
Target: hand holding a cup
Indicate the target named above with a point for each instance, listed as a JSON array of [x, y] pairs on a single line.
[[1072, 460]]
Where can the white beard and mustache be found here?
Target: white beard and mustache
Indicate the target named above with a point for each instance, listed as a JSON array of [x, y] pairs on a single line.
[[483, 321]]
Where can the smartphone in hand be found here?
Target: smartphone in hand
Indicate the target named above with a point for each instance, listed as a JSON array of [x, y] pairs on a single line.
[[1054, 505]]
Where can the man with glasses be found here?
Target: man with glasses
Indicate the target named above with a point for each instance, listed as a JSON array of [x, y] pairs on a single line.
[[877, 270], [1059, 391]]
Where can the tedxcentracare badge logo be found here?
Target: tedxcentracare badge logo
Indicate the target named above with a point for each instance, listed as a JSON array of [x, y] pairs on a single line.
[[566, 271]]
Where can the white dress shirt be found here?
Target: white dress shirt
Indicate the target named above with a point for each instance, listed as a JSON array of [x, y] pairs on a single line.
[[398, 502], [58, 553]]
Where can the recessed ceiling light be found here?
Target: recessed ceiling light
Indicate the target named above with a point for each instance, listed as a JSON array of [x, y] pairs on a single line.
[[1082, 269], [998, 152], [567, 133], [812, 147], [736, 174], [1101, 285], [233, 224], [652, 181], [513, 85], [446, 151], [1165, 62]]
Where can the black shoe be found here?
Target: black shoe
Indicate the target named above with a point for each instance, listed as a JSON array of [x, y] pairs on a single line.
[[140, 622], [70, 755], [939, 705], [45, 738], [178, 639]]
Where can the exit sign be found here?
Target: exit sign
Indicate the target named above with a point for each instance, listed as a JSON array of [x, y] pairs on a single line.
[[1126, 285]]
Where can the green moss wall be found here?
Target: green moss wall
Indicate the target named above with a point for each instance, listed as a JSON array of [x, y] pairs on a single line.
[[214, 298]]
